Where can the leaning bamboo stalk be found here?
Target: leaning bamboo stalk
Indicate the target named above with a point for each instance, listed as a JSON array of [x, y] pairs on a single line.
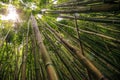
[[65, 62], [99, 26], [46, 58], [102, 20], [82, 58], [103, 57], [93, 33], [81, 46], [97, 8], [80, 3], [102, 60], [73, 38]]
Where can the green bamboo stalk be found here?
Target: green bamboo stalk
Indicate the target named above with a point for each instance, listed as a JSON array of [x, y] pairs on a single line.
[[36, 58]]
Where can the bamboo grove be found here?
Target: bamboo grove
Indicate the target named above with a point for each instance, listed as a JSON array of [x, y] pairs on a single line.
[[60, 40]]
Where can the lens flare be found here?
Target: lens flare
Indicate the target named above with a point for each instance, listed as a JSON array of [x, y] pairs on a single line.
[[12, 14]]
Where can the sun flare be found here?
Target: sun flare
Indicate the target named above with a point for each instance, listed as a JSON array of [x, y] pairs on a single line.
[[12, 14]]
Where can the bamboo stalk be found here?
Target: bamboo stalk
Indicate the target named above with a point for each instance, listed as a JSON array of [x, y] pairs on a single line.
[[93, 33], [97, 8], [25, 54], [64, 61], [102, 20], [46, 58], [36, 60], [80, 3], [82, 58], [81, 46]]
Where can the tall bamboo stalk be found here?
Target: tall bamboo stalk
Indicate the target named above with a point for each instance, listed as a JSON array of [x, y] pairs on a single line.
[[25, 54], [93, 33], [84, 2], [63, 59], [97, 8], [102, 20], [80, 3], [36, 60], [89, 65], [81, 46], [46, 58]]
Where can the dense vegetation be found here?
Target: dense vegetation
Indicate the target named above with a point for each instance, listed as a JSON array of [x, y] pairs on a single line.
[[60, 40]]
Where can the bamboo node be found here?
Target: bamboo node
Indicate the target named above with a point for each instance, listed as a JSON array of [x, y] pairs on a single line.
[[89, 8], [113, 21], [47, 64], [39, 42], [103, 78]]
